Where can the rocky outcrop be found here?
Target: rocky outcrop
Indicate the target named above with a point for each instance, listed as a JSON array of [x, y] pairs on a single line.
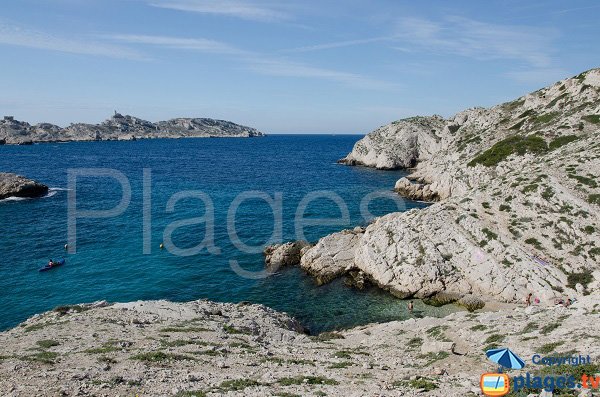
[[12, 185], [471, 302], [518, 193], [282, 255], [121, 127], [416, 191], [159, 348], [398, 145], [332, 256]]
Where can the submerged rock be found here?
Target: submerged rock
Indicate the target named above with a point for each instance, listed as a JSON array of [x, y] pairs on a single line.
[[12, 185]]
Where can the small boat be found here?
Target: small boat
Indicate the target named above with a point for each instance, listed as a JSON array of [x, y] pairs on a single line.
[[54, 264]]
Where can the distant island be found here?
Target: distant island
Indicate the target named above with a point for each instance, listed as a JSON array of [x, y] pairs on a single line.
[[121, 127]]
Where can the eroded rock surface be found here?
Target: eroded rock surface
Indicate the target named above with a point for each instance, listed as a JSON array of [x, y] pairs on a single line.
[[518, 191], [202, 348], [12, 185]]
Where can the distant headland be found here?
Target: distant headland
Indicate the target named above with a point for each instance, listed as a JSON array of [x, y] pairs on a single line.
[[121, 127]]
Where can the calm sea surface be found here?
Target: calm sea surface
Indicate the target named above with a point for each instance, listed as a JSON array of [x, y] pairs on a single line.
[[110, 263]]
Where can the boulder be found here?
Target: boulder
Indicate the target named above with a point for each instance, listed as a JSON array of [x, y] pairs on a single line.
[[471, 302], [332, 256], [416, 191], [287, 254], [442, 298], [12, 185]]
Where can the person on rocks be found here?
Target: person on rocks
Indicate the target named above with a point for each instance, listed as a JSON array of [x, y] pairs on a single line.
[[528, 299]]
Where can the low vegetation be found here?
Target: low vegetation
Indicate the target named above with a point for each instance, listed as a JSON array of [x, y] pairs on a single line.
[[310, 380], [516, 144], [562, 141]]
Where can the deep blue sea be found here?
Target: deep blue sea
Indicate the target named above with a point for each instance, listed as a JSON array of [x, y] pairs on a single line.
[[110, 262]]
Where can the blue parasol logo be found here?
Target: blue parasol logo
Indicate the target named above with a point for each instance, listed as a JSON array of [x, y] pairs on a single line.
[[505, 358]]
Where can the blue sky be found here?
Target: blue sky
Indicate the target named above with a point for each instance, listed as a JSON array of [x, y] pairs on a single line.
[[284, 66]]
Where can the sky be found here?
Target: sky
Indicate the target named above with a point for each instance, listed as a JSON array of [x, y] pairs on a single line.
[[284, 66]]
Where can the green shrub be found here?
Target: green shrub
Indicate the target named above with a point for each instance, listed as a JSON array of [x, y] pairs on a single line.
[[233, 330], [155, 357], [594, 199], [589, 229], [479, 327], [534, 242], [415, 342], [421, 383], [584, 180], [549, 347], [546, 329], [516, 144], [238, 384], [584, 278], [592, 118], [495, 338], [562, 140], [530, 327], [545, 118], [47, 343], [43, 357], [311, 380]]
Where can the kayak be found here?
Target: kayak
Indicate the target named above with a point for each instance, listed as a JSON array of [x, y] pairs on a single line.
[[54, 264]]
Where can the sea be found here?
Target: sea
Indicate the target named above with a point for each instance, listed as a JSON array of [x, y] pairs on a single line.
[[212, 203]]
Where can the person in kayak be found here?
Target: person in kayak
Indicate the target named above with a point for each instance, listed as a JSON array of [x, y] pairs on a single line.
[[50, 263]]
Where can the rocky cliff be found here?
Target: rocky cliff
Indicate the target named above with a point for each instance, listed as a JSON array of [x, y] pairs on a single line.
[[517, 199], [120, 127]]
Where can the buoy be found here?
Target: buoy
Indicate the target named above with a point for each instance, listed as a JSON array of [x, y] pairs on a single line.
[[162, 246], [66, 247]]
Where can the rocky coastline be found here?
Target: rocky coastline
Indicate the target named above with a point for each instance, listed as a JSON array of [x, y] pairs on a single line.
[[202, 348], [515, 195], [121, 127], [12, 185], [515, 191]]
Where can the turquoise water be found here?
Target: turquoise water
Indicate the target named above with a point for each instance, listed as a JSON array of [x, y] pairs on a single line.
[[110, 264]]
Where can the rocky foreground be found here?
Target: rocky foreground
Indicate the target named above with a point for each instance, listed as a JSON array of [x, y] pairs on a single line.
[[12, 185], [202, 348], [120, 127], [516, 192]]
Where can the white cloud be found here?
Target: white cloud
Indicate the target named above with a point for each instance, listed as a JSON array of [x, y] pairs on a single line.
[[339, 44], [279, 67], [480, 40], [256, 62], [243, 9], [199, 44], [24, 37]]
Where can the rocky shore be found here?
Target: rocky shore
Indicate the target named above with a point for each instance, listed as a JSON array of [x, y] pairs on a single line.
[[121, 127], [516, 192], [12, 185], [202, 348]]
